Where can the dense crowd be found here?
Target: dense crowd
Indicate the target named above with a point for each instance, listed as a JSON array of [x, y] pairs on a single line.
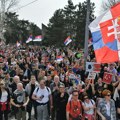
[[35, 79]]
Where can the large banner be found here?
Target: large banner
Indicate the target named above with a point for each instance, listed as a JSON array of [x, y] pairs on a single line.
[[93, 67]]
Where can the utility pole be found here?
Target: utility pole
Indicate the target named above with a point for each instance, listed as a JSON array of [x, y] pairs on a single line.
[[86, 33], [2, 19]]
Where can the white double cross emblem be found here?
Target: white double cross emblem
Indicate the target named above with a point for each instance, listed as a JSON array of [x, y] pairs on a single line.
[[116, 29]]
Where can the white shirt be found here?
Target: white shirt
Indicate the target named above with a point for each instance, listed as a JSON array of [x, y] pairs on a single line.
[[90, 104], [108, 108], [42, 92], [4, 96]]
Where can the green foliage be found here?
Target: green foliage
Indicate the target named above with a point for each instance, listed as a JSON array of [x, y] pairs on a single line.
[[18, 30], [69, 21], [55, 33]]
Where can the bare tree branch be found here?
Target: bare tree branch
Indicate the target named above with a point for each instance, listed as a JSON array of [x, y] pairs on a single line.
[[5, 6], [108, 3]]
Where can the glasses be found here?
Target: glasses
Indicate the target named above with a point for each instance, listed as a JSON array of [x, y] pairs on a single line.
[[86, 98], [75, 95], [108, 95]]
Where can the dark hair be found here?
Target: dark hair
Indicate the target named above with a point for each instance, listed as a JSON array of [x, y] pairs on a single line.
[[74, 91]]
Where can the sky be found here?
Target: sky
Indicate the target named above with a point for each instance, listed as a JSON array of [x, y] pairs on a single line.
[[42, 10]]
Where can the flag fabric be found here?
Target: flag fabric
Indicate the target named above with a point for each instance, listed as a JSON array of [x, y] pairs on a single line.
[[59, 58], [29, 39], [68, 40], [105, 31], [38, 38], [18, 44], [89, 42]]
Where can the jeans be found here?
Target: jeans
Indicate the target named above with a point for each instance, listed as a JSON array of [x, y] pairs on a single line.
[[42, 112]]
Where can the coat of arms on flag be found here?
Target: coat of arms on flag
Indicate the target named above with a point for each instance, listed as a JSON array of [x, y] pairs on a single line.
[[68, 40], [106, 35]]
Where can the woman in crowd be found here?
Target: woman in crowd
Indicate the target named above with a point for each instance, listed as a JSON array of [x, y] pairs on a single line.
[[4, 101], [89, 108], [106, 107], [116, 97]]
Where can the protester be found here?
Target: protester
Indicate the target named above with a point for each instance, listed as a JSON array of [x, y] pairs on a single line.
[[20, 100], [116, 97], [89, 108], [106, 107], [4, 101], [61, 101], [42, 96], [55, 90], [74, 107], [30, 87]]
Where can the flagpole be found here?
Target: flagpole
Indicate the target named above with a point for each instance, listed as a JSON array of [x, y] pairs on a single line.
[[86, 33]]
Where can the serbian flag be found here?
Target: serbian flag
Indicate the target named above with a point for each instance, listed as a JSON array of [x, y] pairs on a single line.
[[89, 42], [68, 40], [38, 38], [106, 35], [18, 44], [29, 39], [59, 58]]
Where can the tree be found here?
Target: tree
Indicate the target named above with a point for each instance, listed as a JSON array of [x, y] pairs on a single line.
[[6, 6], [69, 12], [55, 32], [19, 30], [109, 3], [69, 21], [81, 21]]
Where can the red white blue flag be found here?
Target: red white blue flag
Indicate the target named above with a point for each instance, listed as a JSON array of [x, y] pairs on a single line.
[[38, 38], [29, 39], [59, 58], [106, 35], [18, 44], [68, 40]]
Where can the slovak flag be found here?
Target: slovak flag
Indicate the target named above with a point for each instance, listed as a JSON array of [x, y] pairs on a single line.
[[68, 40], [38, 38], [59, 58], [105, 31], [29, 39]]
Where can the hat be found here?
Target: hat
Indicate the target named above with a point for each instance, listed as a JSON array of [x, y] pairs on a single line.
[[106, 92], [61, 85]]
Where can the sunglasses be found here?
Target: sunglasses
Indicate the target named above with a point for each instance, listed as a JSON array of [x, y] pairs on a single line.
[[75, 95]]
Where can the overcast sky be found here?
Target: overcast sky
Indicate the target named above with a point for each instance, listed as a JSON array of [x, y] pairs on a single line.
[[42, 10]]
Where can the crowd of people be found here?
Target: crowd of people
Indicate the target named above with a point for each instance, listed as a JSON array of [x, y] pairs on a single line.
[[34, 79]]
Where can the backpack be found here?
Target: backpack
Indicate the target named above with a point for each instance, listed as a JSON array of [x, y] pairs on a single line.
[[46, 88]]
